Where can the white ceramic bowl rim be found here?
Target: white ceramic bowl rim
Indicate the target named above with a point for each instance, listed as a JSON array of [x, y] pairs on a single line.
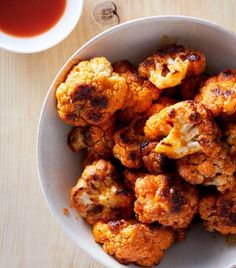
[[48, 39], [113, 29]]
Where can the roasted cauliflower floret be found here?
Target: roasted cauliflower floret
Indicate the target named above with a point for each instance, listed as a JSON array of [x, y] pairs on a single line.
[[190, 86], [218, 212], [230, 135], [201, 169], [91, 93], [96, 140], [133, 242], [98, 195], [187, 128], [170, 65], [127, 147], [166, 199], [218, 93], [127, 143], [161, 103], [140, 92], [154, 162]]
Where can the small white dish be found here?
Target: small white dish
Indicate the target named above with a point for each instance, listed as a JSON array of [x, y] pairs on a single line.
[[48, 39], [59, 168]]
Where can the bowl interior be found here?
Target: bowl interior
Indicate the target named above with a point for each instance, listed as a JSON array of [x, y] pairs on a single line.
[[59, 168], [47, 39]]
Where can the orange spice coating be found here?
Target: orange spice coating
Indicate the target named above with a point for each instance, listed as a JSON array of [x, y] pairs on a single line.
[[187, 128], [166, 199], [91, 93], [154, 162], [170, 65], [140, 92], [201, 169], [133, 242], [218, 93], [98, 195], [160, 104], [96, 140], [127, 143], [218, 212]]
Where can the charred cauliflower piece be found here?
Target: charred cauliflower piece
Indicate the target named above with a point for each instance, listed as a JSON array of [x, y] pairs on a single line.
[[91, 93], [154, 162], [201, 169], [187, 128], [96, 140], [133, 242], [99, 196], [140, 92], [218, 212], [166, 199], [170, 65], [127, 143], [218, 94], [190, 86], [161, 103]]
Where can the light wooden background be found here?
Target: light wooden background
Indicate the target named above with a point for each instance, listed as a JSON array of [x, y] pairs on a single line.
[[29, 236]]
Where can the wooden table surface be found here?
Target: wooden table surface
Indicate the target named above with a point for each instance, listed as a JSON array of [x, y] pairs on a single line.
[[29, 235]]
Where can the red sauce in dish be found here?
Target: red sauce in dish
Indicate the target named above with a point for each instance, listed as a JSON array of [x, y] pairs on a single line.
[[29, 17]]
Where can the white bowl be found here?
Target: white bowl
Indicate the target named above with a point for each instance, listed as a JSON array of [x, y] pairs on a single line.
[[59, 168], [48, 39]]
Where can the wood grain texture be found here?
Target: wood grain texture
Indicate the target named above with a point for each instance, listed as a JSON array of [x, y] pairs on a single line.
[[29, 236]]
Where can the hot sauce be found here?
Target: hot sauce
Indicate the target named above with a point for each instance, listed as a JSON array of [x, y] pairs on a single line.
[[27, 18]]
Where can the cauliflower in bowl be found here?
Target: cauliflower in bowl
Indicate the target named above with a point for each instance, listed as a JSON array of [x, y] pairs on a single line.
[[166, 199], [91, 93], [97, 141], [199, 169], [98, 194], [131, 241], [127, 143], [187, 128], [154, 162], [170, 65], [161, 103], [154, 138], [218, 93], [218, 212], [140, 92]]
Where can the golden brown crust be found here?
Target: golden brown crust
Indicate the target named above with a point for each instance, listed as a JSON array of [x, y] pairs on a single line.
[[96, 140], [98, 195], [166, 199], [154, 162], [201, 169], [219, 212], [133, 242], [187, 127], [140, 92], [170, 65], [159, 105], [127, 143], [218, 93], [91, 93]]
